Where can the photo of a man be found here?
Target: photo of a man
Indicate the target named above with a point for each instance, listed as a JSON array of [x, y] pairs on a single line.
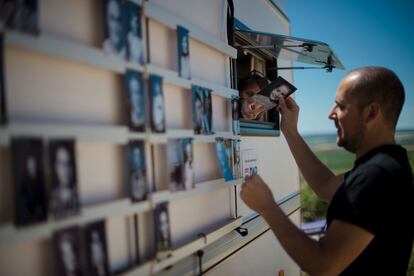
[[162, 228], [157, 104], [30, 196], [64, 194], [183, 52], [134, 42], [137, 171], [97, 253], [20, 15], [67, 245], [136, 100], [202, 110], [114, 43], [3, 113]]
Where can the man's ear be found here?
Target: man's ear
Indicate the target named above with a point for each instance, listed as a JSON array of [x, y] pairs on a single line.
[[371, 112]]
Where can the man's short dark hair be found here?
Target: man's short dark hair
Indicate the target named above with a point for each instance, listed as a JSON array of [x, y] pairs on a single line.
[[381, 85], [254, 77]]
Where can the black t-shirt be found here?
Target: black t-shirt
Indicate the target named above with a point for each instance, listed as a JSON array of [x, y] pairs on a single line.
[[378, 195]]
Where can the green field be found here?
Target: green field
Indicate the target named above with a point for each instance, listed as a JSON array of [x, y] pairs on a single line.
[[339, 161]]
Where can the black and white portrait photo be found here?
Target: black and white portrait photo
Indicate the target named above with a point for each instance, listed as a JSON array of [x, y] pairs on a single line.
[[67, 244], [175, 161], [157, 104], [162, 228], [64, 194], [188, 167], [97, 252], [235, 114], [180, 159], [202, 110], [183, 52], [224, 151], [29, 186], [137, 171], [3, 113], [237, 165], [134, 42], [114, 43], [269, 96], [136, 100], [20, 15]]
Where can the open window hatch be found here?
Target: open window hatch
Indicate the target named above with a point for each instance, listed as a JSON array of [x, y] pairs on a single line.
[[257, 59]]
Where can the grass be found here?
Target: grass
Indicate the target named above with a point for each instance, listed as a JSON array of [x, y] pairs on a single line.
[[339, 161]]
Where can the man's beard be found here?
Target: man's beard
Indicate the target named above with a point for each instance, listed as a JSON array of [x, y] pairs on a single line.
[[351, 143]]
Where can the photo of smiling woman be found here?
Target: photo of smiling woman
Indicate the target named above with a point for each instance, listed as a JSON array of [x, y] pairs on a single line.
[[64, 195]]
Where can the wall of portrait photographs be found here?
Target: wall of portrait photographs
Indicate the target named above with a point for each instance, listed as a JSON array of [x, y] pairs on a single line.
[[109, 158]]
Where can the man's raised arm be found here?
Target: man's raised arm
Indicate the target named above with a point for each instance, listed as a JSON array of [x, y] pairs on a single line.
[[321, 179]]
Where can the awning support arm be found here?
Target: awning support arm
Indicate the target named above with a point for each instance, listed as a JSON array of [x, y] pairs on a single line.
[[327, 68]]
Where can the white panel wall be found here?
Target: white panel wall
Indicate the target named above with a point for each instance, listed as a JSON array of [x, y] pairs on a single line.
[[45, 89], [211, 20], [264, 256]]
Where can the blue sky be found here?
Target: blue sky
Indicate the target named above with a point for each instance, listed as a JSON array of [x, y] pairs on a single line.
[[361, 33]]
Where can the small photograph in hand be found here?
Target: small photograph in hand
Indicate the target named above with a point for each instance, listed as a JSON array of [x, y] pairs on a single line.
[[30, 195], [67, 245], [64, 194], [97, 252], [269, 96]]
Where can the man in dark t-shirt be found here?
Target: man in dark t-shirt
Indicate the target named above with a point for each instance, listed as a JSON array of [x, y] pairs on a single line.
[[370, 220]]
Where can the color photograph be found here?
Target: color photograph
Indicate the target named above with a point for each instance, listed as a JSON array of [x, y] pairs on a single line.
[[202, 110], [224, 152]]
